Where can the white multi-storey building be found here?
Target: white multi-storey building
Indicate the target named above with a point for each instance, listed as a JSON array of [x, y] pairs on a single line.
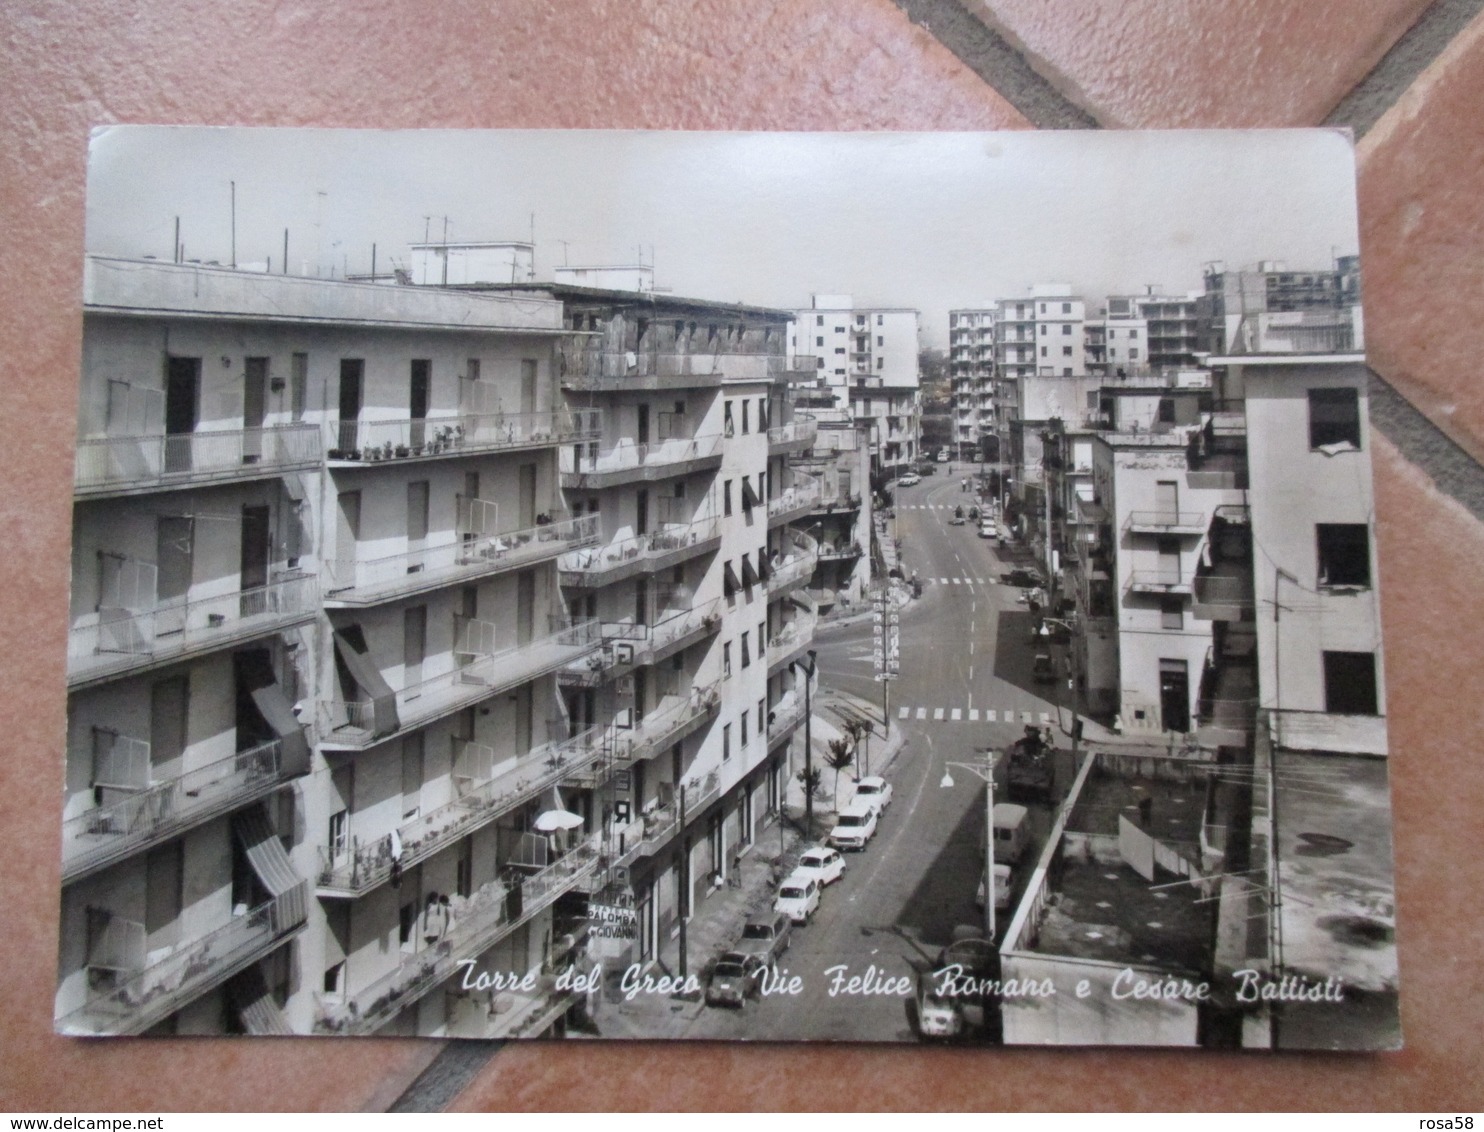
[[971, 369], [402, 616]]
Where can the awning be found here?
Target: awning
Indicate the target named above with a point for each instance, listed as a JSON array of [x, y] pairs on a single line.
[[270, 862], [350, 647], [749, 575], [252, 1000], [278, 714], [729, 581], [749, 497]]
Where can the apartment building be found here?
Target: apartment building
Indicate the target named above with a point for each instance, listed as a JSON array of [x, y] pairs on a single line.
[[971, 369], [866, 360], [1233, 296], [836, 469], [402, 618]]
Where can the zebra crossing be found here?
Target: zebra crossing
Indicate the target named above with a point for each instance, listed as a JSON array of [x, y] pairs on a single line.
[[966, 580], [973, 715], [930, 506]]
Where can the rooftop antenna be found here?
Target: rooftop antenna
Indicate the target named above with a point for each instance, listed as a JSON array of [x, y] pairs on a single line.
[[565, 244], [427, 228]]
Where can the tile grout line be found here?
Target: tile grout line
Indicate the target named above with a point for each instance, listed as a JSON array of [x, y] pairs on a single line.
[[1416, 50]]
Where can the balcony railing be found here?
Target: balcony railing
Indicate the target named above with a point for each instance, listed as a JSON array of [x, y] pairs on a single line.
[[829, 552], [474, 556], [486, 917], [591, 369], [366, 864], [1270, 334], [791, 640], [373, 441], [135, 463], [673, 718], [152, 813], [797, 434], [670, 544], [1158, 582], [796, 565], [1232, 591], [152, 994], [794, 502], [784, 716], [626, 461], [663, 823], [351, 725], [118, 640], [1165, 522]]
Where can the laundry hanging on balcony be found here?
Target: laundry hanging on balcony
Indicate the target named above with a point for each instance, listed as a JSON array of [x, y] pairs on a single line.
[[351, 651]]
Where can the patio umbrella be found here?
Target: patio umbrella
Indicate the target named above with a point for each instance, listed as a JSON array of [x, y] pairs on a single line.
[[556, 815]]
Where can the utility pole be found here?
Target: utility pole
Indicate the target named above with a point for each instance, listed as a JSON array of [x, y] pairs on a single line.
[[984, 771], [808, 745], [684, 879]]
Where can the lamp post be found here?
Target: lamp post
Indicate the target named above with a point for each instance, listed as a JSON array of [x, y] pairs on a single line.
[[985, 771], [684, 880], [808, 743]]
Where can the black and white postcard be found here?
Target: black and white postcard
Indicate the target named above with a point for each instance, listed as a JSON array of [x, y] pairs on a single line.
[[854, 587]]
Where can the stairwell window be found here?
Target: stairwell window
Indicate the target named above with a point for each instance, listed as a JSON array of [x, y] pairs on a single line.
[[1344, 555], [1350, 683], [1334, 418]]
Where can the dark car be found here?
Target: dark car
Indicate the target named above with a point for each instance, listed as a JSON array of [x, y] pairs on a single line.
[[1020, 576], [1029, 772], [766, 936], [737, 976]]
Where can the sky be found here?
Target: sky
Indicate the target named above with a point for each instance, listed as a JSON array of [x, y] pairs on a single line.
[[932, 221]]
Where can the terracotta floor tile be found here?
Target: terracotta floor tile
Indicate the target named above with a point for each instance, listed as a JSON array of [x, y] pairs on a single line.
[[1422, 241], [1204, 63]]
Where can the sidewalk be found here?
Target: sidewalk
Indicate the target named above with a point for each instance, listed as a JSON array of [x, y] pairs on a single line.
[[720, 912]]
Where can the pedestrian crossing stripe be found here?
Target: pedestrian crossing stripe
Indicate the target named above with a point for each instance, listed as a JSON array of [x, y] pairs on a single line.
[[1045, 717], [922, 713], [956, 714], [1025, 717], [904, 713], [937, 713], [973, 715]]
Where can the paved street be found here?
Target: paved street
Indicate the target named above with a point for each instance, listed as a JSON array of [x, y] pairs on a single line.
[[965, 684]]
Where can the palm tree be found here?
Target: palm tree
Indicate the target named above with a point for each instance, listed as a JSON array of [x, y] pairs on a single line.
[[842, 754]]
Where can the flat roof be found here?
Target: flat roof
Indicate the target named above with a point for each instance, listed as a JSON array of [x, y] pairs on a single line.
[[630, 298]]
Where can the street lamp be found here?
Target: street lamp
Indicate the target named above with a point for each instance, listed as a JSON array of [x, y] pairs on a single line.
[[808, 743], [985, 771]]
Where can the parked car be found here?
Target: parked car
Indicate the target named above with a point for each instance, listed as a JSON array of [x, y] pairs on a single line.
[[855, 826], [1020, 576], [1042, 670], [1011, 832], [766, 936], [875, 790], [822, 863], [1029, 772], [1004, 881], [908, 480], [737, 976], [987, 529], [798, 897]]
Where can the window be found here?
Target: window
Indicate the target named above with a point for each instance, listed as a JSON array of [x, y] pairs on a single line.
[[819, 341], [840, 350], [1171, 613], [839, 330], [1167, 410], [1344, 554], [726, 658], [1133, 355], [746, 652], [1350, 683], [726, 741], [762, 637], [726, 419], [880, 363], [819, 321], [881, 339], [1133, 334], [726, 497], [1043, 308], [880, 320], [1043, 351], [1334, 417], [1066, 308], [745, 406], [1067, 372], [1066, 351], [760, 721], [1066, 328], [1043, 330], [742, 723]]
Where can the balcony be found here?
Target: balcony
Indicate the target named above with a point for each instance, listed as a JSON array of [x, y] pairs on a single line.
[[671, 720], [1158, 582], [589, 369], [122, 640], [1223, 597], [627, 462], [1223, 471], [784, 717], [669, 546], [150, 994], [1165, 523], [486, 917], [351, 726], [482, 798], [796, 566], [790, 642], [1295, 332], [802, 368], [662, 823], [796, 436], [139, 817], [472, 557], [365, 443], [830, 552], [125, 465]]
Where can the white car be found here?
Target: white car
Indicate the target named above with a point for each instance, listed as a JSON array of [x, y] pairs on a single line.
[[822, 863], [987, 529], [855, 826], [874, 790], [911, 479], [1004, 881], [798, 897]]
